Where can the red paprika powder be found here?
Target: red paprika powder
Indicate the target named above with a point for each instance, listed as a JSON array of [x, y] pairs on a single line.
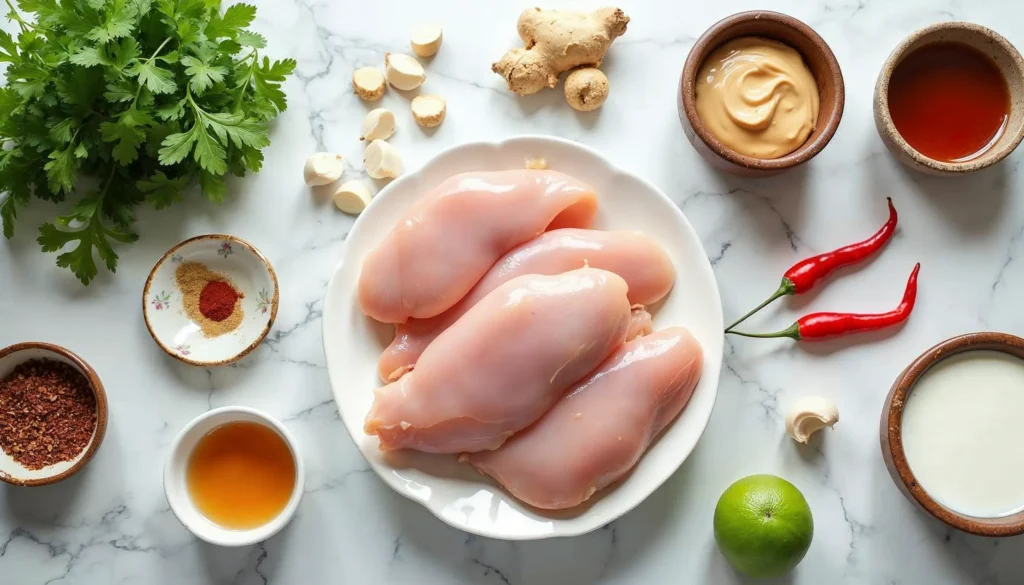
[[217, 301]]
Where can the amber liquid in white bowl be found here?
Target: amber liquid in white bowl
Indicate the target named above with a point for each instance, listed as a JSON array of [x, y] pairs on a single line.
[[963, 433]]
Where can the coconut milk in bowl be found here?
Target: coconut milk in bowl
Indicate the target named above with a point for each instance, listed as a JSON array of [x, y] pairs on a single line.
[[952, 433]]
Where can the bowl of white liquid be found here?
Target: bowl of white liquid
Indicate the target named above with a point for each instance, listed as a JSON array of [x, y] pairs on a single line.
[[952, 433]]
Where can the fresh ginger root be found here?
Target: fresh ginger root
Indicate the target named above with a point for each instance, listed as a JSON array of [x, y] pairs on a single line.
[[556, 42]]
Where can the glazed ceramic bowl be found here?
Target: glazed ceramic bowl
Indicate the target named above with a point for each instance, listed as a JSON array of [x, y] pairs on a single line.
[[891, 429], [175, 332], [819, 59], [175, 479], [454, 492], [990, 43], [13, 472]]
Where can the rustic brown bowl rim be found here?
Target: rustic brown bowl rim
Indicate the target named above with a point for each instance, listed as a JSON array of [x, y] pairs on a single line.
[[986, 159], [892, 421], [101, 411], [710, 40], [273, 304]]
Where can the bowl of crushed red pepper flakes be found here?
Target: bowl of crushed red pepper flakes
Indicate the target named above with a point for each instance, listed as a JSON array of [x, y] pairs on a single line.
[[210, 300], [53, 413]]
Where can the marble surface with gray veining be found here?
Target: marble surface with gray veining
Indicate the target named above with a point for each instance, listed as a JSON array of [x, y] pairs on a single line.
[[111, 524]]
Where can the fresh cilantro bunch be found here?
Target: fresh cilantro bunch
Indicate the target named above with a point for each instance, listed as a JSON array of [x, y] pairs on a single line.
[[136, 99]]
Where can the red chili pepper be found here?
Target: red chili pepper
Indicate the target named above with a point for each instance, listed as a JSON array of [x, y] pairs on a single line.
[[803, 275], [818, 326]]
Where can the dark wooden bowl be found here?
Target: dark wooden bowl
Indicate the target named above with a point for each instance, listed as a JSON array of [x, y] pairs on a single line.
[[18, 353], [891, 433], [818, 57]]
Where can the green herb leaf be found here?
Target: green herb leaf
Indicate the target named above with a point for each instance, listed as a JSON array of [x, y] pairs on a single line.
[[203, 74], [236, 17], [127, 137], [268, 79], [157, 79]]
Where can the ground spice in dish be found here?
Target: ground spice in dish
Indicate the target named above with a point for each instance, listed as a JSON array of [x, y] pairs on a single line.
[[193, 280], [47, 413], [217, 301]]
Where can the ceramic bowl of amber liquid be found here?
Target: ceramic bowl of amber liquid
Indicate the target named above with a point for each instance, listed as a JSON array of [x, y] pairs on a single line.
[[174, 309], [13, 472], [949, 79], [816, 55]]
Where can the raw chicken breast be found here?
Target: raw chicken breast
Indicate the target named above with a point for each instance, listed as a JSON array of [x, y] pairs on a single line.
[[598, 432], [453, 234], [504, 363], [640, 323], [633, 256]]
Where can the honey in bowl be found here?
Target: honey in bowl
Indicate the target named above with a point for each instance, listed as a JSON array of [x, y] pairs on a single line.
[[241, 475], [949, 101]]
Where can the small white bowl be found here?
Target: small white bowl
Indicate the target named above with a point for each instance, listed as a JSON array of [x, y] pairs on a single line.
[[454, 492], [176, 489], [15, 473], [175, 332]]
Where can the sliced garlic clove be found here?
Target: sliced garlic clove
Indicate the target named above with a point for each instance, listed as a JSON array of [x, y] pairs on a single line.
[[322, 168], [378, 124], [403, 72], [382, 161], [809, 415], [428, 110], [368, 83], [426, 39], [352, 197]]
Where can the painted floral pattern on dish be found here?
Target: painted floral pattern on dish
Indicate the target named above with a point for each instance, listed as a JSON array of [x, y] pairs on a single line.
[[177, 258], [225, 250], [161, 301], [182, 348], [263, 302]]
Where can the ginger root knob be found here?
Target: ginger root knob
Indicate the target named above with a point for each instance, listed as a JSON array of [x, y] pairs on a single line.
[[557, 41]]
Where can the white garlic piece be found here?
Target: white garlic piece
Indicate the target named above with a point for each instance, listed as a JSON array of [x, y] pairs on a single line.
[[322, 168], [429, 110], [382, 161], [352, 197], [426, 39], [809, 415], [403, 72], [368, 83], [378, 124]]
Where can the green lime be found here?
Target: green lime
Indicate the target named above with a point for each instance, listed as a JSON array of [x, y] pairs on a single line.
[[763, 525]]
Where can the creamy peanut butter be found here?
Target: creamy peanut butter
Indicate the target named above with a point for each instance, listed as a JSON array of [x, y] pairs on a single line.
[[756, 96]]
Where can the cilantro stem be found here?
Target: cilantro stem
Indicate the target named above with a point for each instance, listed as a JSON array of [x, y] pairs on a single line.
[[15, 16], [242, 87], [158, 49]]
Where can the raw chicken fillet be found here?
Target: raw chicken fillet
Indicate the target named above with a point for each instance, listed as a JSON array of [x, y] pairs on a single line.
[[599, 430], [635, 257], [451, 236], [504, 363]]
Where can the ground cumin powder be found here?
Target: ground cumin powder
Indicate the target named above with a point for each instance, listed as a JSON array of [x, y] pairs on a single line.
[[192, 277]]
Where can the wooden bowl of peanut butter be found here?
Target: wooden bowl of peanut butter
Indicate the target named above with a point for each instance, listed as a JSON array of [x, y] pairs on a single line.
[[760, 93]]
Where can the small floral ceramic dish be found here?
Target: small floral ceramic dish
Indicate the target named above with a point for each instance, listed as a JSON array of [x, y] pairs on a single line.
[[163, 303]]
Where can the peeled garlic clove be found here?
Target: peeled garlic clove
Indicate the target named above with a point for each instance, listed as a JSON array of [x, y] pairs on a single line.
[[428, 110], [352, 197], [382, 160], [378, 124], [403, 72], [368, 83], [426, 39], [809, 415], [322, 168]]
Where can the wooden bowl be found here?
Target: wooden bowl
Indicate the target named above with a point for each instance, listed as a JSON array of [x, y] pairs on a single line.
[[891, 433], [990, 43], [13, 472], [819, 59]]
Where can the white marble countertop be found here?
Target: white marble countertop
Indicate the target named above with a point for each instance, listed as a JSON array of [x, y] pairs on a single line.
[[111, 523]]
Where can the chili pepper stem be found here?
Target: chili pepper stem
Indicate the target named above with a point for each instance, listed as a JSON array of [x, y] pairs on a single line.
[[792, 332], [786, 288]]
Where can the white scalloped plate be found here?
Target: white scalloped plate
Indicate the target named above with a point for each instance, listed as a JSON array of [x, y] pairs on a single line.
[[453, 492]]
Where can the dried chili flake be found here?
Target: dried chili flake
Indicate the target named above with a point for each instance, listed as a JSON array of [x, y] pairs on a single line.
[[47, 413]]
